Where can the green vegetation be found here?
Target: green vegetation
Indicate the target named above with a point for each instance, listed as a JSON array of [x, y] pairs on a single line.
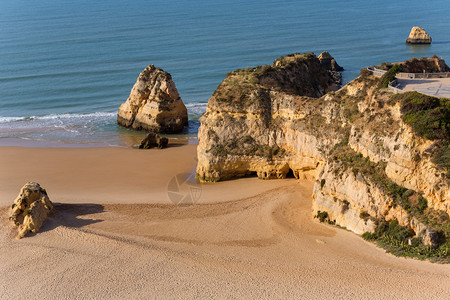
[[345, 206], [364, 73], [384, 66], [389, 76], [322, 183], [429, 117], [399, 240], [322, 216], [441, 157], [412, 202], [364, 215], [349, 159], [423, 204], [351, 111]]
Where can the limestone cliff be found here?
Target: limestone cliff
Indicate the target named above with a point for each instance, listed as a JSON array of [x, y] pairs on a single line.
[[418, 35], [362, 145], [154, 104], [246, 116]]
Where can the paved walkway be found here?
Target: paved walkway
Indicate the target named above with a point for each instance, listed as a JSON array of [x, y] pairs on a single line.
[[437, 87]]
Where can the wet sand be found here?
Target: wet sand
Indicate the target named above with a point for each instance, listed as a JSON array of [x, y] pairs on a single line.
[[118, 234]]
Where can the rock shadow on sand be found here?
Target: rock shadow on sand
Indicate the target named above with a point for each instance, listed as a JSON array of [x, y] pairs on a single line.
[[70, 215]]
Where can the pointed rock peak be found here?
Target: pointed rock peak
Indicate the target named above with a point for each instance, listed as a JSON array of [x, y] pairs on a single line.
[[418, 35], [329, 62], [154, 104]]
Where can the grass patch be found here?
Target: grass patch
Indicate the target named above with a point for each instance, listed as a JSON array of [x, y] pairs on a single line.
[[429, 117]]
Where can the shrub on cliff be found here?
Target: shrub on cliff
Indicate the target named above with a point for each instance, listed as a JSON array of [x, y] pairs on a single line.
[[399, 240], [429, 117], [389, 76], [322, 216]]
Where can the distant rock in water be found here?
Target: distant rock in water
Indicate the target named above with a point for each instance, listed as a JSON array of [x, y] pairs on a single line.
[[30, 209], [153, 140], [418, 35], [154, 104]]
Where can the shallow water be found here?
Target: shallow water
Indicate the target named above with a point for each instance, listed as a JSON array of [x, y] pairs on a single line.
[[66, 66]]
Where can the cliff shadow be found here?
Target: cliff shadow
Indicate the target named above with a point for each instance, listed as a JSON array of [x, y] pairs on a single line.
[[70, 215]]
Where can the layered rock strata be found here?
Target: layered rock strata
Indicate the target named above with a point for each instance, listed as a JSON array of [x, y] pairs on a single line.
[[418, 35], [154, 104], [30, 209], [252, 127], [247, 127]]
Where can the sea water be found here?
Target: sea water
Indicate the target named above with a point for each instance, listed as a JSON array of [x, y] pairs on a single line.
[[66, 66]]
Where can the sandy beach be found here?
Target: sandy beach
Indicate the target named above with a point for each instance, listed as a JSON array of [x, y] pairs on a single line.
[[117, 234]]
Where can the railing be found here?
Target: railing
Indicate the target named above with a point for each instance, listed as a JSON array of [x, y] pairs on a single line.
[[393, 86], [423, 75], [379, 73]]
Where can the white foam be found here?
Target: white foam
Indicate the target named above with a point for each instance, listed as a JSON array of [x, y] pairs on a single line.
[[10, 119], [196, 109], [58, 116]]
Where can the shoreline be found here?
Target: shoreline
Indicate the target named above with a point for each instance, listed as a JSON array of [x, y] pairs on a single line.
[[132, 141], [92, 172]]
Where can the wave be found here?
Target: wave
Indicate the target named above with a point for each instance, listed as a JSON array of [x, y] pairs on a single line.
[[57, 117], [196, 109]]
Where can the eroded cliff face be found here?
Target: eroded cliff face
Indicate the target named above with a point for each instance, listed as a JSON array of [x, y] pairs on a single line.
[[154, 104], [252, 121], [354, 143]]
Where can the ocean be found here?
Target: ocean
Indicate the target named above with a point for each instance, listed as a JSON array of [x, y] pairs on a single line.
[[66, 66]]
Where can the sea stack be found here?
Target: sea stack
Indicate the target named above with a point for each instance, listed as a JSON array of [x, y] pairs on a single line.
[[418, 35], [154, 104]]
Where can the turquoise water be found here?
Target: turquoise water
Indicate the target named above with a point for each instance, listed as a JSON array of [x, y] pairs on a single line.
[[66, 66]]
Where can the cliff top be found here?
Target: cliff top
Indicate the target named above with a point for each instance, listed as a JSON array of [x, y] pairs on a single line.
[[295, 74], [432, 64]]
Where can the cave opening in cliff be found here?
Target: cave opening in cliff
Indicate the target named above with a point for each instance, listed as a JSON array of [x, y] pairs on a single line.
[[252, 174], [290, 174]]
